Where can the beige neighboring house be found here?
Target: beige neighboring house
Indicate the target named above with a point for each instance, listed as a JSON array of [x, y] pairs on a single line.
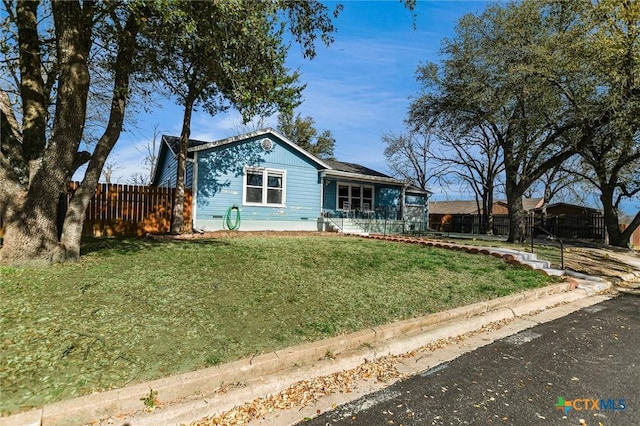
[[463, 215]]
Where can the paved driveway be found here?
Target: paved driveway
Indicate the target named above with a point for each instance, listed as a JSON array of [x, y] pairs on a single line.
[[588, 363]]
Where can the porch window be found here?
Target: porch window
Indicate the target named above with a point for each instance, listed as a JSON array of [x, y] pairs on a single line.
[[355, 195], [264, 187], [367, 196], [343, 195]]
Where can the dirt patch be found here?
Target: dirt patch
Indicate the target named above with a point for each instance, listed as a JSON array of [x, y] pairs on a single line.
[[602, 262]]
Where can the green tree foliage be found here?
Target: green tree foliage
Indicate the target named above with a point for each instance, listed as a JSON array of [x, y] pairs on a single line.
[[56, 52], [230, 55], [485, 83], [609, 32], [537, 76], [303, 133]]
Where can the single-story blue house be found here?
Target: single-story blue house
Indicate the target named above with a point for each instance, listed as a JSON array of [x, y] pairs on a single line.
[[270, 183]]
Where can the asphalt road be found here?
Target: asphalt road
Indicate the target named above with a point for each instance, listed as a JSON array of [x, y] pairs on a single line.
[[587, 363]]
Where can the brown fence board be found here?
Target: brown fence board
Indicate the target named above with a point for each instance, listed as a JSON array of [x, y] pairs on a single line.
[[128, 210]]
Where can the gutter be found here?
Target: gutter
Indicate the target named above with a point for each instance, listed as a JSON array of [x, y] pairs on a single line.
[[361, 177]]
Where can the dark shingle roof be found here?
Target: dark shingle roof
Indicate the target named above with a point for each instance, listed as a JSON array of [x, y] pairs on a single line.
[[354, 168], [174, 144]]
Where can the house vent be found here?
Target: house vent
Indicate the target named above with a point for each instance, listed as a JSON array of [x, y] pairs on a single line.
[[266, 144]]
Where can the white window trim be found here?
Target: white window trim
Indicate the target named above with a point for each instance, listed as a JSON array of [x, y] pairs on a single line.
[[265, 172], [357, 185]]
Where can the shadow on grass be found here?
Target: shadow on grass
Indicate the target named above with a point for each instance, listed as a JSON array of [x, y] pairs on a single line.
[[128, 245]]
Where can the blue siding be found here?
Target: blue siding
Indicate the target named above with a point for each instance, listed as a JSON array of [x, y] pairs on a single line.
[[188, 178], [220, 181], [384, 195], [168, 171]]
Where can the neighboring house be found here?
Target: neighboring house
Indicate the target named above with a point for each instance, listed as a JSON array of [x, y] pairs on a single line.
[[559, 219], [276, 185], [464, 215], [528, 205], [571, 221]]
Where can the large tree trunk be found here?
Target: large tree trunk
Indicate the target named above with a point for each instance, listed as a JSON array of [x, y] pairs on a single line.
[[514, 195], [617, 237], [31, 233], [177, 218], [75, 216], [516, 212], [516, 219], [487, 218]]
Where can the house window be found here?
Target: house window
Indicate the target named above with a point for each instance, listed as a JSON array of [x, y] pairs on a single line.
[[264, 187]]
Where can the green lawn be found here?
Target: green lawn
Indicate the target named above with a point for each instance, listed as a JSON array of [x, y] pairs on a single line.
[[134, 310], [550, 252]]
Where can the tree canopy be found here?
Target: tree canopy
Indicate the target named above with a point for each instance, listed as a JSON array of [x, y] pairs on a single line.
[[545, 81], [239, 62], [56, 53], [303, 133]]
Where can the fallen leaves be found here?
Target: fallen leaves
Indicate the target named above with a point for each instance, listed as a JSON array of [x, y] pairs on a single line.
[[307, 392]]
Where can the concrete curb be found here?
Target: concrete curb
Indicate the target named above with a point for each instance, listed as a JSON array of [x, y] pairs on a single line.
[[403, 337], [374, 342]]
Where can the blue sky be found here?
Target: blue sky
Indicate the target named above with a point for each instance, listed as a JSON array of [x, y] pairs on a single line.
[[358, 88]]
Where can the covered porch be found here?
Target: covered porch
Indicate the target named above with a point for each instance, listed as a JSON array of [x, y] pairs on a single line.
[[365, 201]]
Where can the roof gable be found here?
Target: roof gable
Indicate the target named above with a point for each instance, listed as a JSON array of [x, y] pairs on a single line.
[[173, 143], [258, 133], [170, 145]]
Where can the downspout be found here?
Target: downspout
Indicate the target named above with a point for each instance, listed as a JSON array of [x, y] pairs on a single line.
[[194, 190], [321, 226]]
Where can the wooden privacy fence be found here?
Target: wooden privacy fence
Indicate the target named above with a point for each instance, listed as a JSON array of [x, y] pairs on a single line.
[[131, 210], [128, 210]]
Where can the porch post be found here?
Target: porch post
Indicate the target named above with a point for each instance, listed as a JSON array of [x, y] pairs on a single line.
[[404, 201], [322, 183]]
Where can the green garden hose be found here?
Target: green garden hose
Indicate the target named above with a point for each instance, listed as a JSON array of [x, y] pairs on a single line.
[[227, 221]]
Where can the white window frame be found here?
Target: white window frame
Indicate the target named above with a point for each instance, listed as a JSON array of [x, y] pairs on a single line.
[[265, 174], [355, 185]]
